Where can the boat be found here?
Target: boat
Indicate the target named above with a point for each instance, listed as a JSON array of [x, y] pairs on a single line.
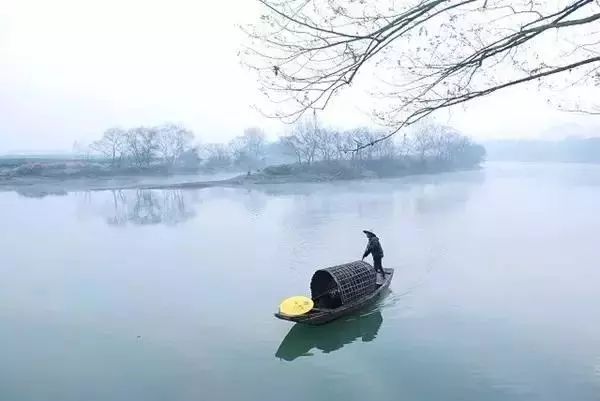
[[342, 290]]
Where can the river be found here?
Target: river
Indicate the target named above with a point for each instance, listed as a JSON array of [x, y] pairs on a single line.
[[169, 295]]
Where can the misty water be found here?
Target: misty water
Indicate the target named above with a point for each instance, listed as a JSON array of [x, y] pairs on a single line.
[[169, 295]]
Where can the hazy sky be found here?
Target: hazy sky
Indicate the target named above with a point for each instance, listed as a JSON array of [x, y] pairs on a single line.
[[71, 68]]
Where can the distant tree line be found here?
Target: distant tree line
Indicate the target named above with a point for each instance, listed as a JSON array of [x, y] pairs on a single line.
[[248, 151], [144, 146], [427, 142], [306, 142], [171, 144]]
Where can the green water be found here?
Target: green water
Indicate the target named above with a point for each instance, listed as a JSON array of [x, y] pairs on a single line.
[[169, 295]]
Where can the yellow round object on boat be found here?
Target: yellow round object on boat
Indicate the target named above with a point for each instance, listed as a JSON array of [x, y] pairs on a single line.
[[295, 306]]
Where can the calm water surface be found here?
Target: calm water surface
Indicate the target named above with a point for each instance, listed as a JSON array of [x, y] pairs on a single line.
[[168, 295]]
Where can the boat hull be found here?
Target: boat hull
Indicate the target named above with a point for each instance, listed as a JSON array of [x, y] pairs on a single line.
[[321, 316]]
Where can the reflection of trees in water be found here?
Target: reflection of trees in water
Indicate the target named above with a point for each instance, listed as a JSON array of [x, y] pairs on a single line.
[[39, 193], [301, 339], [146, 207]]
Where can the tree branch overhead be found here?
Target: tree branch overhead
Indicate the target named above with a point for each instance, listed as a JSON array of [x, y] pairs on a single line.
[[426, 55]]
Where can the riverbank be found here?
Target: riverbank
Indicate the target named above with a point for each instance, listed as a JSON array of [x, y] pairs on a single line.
[[64, 178], [37, 177]]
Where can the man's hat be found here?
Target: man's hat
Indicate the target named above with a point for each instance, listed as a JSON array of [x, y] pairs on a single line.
[[369, 233]]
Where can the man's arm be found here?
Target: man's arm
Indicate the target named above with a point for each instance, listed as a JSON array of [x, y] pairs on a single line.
[[368, 250]]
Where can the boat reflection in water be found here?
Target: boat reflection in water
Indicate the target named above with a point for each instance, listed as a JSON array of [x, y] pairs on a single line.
[[301, 339]]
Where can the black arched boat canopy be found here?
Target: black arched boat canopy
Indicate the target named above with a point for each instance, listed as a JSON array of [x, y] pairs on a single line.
[[340, 285]]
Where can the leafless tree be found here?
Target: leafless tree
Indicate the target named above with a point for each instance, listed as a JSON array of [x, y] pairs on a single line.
[[142, 145], [284, 149], [237, 150], [112, 145], [434, 142], [342, 141], [248, 150], [254, 142], [173, 141], [326, 143], [385, 149], [360, 136], [217, 155], [303, 138], [592, 110], [427, 54], [290, 142], [424, 139]]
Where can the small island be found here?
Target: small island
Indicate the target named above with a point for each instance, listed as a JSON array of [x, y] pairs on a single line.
[[167, 157]]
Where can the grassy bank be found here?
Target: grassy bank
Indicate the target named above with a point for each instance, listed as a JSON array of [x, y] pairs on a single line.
[[42, 178], [74, 169], [350, 170]]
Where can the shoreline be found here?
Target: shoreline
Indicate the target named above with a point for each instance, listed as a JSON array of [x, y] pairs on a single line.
[[41, 187]]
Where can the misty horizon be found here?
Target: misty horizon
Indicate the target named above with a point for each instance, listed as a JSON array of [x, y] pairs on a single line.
[[67, 78], [552, 134]]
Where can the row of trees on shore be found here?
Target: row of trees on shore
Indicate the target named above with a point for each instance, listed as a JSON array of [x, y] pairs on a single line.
[[306, 142], [426, 141], [141, 146], [171, 144]]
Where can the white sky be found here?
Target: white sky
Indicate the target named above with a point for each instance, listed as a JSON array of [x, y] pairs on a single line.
[[69, 69]]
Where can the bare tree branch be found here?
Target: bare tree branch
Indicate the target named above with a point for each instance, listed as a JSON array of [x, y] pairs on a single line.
[[429, 54], [594, 112]]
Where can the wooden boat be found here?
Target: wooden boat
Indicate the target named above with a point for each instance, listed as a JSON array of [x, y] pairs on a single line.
[[342, 290]]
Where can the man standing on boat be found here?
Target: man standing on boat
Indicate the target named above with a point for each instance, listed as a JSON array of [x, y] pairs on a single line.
[[374, 248]]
